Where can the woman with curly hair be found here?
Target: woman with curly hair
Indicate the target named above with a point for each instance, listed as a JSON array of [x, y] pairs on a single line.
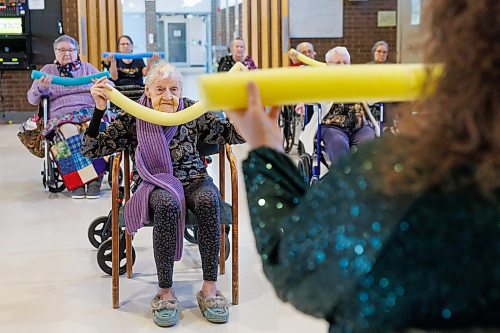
[[403, 235]]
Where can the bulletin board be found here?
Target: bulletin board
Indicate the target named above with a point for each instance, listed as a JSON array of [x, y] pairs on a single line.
[[316, 19]]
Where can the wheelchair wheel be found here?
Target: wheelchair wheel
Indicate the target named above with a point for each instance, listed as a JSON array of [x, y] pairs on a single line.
[[228, 246], [287, 121], [96, 232], [104, 257], [51, 179], [191, 234], [305, 167]]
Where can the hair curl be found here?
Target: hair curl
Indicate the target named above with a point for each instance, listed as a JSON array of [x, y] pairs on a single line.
[[459, 126]]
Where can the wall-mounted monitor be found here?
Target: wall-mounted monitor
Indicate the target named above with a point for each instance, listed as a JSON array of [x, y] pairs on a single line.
[[11, 25]]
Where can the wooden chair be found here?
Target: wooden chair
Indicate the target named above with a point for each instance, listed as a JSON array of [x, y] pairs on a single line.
[[224, 151]]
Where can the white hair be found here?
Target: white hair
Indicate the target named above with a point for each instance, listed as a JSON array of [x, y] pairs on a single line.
[[300, 45], [162, 70], [337, 50]]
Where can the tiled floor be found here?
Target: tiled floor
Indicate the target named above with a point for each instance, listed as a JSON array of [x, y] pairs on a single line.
[[50, 281]]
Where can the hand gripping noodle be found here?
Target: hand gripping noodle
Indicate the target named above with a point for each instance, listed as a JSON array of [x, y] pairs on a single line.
[[70, 81], [162, 118], [306, 60], [133, 55], [342, 84]]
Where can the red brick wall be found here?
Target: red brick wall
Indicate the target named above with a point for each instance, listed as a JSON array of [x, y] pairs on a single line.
[[360, 31], [13, 88], [15, 84]]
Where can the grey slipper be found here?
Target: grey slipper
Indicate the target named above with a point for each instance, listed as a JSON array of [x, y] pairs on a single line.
[[215, 309], [165, 312]]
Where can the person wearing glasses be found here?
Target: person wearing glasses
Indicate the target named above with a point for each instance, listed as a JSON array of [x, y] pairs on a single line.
[[380, 52], [70, 107]]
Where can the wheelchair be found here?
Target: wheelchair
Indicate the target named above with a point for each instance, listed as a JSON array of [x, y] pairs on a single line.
[[315, 163], [287, 121], [51, 177]]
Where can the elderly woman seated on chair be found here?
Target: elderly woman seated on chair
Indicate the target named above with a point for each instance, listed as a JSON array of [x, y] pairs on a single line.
[[173, 177], [342, 125], [70, 107]]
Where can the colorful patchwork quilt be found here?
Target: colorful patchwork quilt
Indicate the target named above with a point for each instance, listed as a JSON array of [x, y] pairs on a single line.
[[75, 169]]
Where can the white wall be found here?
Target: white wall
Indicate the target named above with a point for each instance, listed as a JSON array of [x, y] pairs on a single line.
[[134, 25], [169, 6]]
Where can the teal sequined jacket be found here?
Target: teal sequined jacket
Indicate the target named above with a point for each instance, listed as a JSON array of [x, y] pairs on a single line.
[[366, 262]]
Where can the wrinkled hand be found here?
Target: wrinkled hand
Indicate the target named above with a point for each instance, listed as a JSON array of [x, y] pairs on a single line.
[[255, 125], [110, 58], [100, 93], [300, 109], [45, 81], [292, 54]]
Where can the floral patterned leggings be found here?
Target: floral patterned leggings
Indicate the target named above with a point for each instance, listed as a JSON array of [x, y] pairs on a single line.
[[203, 199]]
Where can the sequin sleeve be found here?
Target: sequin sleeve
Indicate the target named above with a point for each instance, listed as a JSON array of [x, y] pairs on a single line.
[[368, 262], [315, 243]]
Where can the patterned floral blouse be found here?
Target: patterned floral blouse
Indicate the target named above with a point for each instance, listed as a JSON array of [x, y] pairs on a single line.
[[350, 117], [208, 128], [366, 262]]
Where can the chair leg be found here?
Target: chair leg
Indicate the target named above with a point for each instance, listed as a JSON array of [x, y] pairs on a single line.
[[235, 262], [222, 253], [115, 236], [128, 247]]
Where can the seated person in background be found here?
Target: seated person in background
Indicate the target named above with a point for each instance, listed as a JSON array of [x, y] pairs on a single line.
[[125, 72], [70, 107], [404, 236], [342, 125], [306, 49], [173, 177], [380, 52], [237, 54]]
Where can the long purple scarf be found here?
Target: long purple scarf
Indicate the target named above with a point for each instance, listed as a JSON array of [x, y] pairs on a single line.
[[154, 164]]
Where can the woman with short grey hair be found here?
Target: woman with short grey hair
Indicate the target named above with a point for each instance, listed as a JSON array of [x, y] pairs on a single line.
[[69, 108], [380, 51]]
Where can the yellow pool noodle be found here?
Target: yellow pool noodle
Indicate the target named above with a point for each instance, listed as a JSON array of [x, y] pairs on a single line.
[[162, 118], [306, 60], [153, 116], [342, 84]]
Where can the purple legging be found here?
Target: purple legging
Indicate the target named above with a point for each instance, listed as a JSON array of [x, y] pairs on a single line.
[[337, 142]]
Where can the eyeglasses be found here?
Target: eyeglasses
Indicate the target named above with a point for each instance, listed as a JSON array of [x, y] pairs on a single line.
[[64, 50]]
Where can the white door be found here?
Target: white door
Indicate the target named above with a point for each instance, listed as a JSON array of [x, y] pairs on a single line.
[[409, 30]]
